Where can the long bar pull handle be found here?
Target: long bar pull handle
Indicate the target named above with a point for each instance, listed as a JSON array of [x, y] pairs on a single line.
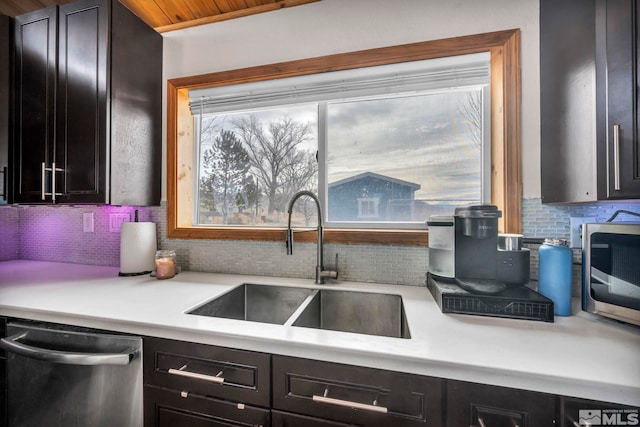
[[214, 379], [11, 344], [4, 182], [616, 157], [349, 404], [53, 181], [44, 171]]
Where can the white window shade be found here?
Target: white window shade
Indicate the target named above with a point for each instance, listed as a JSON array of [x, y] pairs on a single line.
[[406, 77]]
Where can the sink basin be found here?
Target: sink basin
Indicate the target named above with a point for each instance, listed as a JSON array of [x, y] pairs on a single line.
[[347, 311], [256, 303], [359, 312]]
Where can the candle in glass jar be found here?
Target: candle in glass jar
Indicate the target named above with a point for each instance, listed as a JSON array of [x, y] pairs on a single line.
[[165, 264]]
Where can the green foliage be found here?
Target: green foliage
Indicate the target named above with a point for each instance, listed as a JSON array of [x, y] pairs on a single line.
[[227, 164]]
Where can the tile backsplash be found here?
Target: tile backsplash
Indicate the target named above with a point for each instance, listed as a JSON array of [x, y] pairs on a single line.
[[55, 233], [9, 241]]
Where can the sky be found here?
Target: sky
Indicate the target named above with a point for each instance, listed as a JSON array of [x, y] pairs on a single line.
[[420, 139]]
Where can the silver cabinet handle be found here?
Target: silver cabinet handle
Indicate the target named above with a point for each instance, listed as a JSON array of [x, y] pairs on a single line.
[[616, 157], [53, 181], [182, 372], [11, 344], [349, 404], [44, 171], [53, 169], [5, 173]]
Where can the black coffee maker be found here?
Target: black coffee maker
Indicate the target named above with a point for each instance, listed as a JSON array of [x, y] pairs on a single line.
[[481, 264], [475, 270]]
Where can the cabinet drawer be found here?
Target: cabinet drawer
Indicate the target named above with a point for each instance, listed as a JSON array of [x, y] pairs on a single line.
[[168, 408], [573, 409], [355, 395], [468, 403], [242, 376], [284, 419]]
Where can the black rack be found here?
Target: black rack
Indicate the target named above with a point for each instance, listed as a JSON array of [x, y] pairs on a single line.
[[517, 302]]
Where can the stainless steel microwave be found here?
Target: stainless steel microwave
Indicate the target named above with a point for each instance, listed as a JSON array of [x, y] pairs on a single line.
[[611, 270]]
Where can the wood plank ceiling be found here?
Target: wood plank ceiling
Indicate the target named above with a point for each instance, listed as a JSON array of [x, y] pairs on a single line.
[[169, 15]]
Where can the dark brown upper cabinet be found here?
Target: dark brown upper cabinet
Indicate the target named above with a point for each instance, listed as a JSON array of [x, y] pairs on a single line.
[[5, 97], [87, 116], [589, 53], [617, 95]]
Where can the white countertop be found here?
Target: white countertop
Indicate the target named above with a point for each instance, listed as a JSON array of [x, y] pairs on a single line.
[[581, 355]]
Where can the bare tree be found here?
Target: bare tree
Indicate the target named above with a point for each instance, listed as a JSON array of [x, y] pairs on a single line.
[[470, 108], [210, 128], [281, 165]]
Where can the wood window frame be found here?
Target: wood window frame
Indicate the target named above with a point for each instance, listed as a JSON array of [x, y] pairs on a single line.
[[506, 163]]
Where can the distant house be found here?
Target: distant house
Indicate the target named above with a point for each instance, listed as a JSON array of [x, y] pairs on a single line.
[[371, 197]]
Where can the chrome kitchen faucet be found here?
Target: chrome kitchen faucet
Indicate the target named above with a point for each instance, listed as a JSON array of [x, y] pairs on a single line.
[[321, 273]]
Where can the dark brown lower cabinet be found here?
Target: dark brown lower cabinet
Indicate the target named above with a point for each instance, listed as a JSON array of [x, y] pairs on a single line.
[[171, 408], [3, 376], [575, 412], [332, 394], [479, 405], [197, 385]]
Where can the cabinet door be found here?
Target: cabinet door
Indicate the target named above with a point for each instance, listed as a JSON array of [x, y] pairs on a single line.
[[171, 408], [567, 101], [34, 86], [355, 395], [617, 40], [81, 124], [5, 96], [470, 404], [3, 376]]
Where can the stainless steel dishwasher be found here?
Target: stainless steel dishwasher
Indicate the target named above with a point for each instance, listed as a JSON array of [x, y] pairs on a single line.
[[72, 377]]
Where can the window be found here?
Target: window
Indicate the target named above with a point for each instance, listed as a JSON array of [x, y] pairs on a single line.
[[411, 135], [417, 154], [251, 164], [368, 208], [383, 191]]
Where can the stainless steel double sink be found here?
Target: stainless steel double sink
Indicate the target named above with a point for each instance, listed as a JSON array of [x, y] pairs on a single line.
[[347, 311]]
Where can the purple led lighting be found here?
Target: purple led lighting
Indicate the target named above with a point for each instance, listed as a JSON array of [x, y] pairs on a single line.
[[55, 233]]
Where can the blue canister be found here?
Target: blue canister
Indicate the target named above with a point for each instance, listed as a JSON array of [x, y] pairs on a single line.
[[554, 274]]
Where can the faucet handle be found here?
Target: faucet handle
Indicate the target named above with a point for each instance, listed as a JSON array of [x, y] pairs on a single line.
[[335, 277], [289, 242], [331, 274]]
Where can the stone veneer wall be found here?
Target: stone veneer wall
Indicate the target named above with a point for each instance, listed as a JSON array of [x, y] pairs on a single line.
[[54, 233]]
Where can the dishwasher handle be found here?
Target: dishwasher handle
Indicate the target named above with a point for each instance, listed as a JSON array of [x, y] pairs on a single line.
[[12, 344]]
